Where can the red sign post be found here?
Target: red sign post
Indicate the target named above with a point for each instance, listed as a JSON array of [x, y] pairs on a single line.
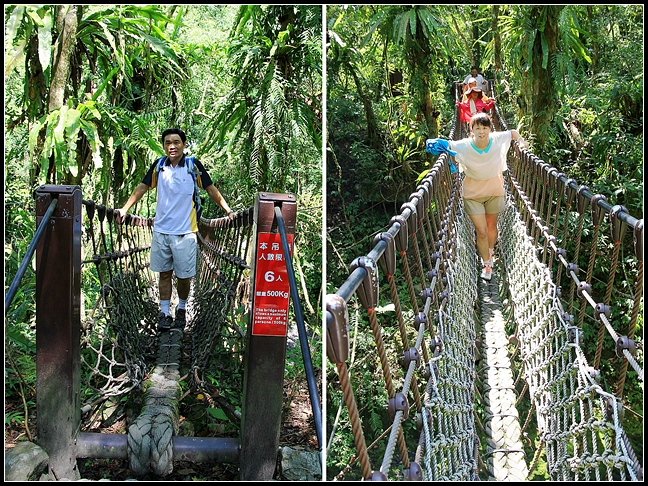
[[265, 352], [272, 288]]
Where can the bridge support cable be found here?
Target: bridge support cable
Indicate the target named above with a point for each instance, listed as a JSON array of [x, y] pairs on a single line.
[[13, 288], [599, 312], [303, 337]]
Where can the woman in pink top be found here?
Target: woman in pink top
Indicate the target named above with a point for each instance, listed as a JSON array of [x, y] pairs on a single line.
[[482, 157], [474, 104]]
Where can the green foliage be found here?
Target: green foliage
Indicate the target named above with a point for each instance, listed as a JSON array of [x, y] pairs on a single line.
[[590, 127], [136, 71], [270, 115], [62, 129]]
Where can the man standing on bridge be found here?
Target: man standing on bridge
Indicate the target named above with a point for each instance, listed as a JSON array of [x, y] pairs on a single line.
[[173, 247], [479, 78]]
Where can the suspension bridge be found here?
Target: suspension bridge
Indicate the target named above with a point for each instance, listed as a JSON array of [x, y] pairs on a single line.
[[485, 380], [99, 354]]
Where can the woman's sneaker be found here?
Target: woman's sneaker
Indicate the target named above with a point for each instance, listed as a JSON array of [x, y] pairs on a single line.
[[180, 319], [164, 322], [487, 270]]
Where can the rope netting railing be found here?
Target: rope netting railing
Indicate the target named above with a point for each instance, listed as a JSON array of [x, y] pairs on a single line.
[[431, 331], [578, 422], [121, 350], [118, 319], [219, 285], [450, 361], [586, 441], [547, 198]]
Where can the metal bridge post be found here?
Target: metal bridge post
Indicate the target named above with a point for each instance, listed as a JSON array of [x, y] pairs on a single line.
[[58, 319], [265, 352]]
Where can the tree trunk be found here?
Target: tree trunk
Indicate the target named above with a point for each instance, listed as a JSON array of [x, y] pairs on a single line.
[[36, 94], [476, 35], [469, 52], [543, 101], [421, 53], [430, 113], [497, 42], [66, 22], [63, 50], [373, 139], [118, 173]]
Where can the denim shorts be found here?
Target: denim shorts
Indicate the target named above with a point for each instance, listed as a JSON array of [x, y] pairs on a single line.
[[174, 252], [485, 205]]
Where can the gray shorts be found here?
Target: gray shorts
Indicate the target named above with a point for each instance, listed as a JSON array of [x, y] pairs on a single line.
[[174, 252], [485, 205]]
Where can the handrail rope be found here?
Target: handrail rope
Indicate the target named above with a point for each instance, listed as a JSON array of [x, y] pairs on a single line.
[[623, 214], [356, 277], [93, 337]]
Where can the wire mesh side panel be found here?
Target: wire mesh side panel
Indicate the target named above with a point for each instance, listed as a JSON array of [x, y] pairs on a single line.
[[119, 308], [220, 292], [578, 421]]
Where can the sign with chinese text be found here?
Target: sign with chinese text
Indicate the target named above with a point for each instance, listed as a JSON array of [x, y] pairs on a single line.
[[272, 288]]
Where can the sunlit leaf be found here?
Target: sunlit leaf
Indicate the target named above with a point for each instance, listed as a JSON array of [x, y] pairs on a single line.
[[15, 57], [33, 14], [12, 24], [45, 41]]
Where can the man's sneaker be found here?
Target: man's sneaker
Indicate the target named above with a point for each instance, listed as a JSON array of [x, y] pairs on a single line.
[[180, 319], [164, 322], [487, 270]]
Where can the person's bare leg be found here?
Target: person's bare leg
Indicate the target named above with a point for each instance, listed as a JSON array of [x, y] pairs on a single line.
[[166, 285], [184, 286], [491, 223], [481, 228]]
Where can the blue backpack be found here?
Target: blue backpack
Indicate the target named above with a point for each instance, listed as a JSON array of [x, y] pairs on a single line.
[[191, 169]]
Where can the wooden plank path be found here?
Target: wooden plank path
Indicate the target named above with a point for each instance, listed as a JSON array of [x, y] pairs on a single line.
[[504, 459]]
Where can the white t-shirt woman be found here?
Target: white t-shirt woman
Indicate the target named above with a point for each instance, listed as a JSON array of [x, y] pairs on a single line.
[[482, 156], [483, 168]]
